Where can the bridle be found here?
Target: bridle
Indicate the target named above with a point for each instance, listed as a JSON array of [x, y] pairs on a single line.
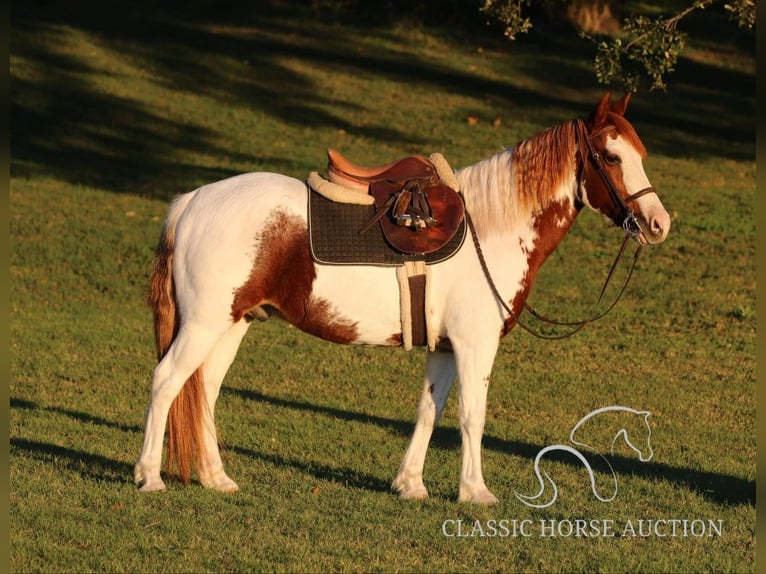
[[630, 226], [629, 223]]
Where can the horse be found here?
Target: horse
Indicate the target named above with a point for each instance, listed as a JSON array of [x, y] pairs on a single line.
[[238, 250], [644, 454]]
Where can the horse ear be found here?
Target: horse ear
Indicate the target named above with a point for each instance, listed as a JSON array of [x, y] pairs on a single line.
[[621, 105], [598, 115]]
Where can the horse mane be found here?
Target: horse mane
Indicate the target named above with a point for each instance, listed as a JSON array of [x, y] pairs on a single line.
[[511, 187]]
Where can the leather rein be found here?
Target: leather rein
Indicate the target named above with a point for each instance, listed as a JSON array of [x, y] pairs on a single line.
[[630, 226]]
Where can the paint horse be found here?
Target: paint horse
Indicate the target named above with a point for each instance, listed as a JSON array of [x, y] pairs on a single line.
[[238, 249]]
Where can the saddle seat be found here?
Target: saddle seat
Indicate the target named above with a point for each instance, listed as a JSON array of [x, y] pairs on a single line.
[[342, 171], [417, 211]]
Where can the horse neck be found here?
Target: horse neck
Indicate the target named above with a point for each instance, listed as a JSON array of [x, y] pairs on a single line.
[[530, 186]]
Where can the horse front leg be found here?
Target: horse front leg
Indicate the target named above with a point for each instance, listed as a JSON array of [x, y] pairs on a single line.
[[474, 367], [440, 374]]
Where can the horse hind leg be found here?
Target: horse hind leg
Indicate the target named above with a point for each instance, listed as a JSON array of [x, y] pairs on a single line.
[[179, 365], [215, 367], [440, 375]]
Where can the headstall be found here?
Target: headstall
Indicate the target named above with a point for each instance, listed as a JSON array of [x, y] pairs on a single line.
[[630, 225]]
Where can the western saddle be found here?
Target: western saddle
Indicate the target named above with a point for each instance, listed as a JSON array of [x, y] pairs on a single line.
[[417, 211]]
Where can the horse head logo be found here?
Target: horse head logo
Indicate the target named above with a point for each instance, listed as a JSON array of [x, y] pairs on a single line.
[[639, 427]]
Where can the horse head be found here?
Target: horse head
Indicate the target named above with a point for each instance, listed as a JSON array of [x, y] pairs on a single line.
[[612, 178]]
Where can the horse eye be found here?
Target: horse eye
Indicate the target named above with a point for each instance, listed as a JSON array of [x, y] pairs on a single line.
[[612, 159]]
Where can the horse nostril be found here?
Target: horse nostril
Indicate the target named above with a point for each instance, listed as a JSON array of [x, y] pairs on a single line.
[[659, 226]]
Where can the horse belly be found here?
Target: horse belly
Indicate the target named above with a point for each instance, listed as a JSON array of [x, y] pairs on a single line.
[[366, 297]]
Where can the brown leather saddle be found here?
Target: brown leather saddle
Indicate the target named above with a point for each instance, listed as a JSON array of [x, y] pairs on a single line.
[[417, 212]]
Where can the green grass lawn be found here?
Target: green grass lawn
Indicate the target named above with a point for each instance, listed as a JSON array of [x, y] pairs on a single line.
[[114, 110]]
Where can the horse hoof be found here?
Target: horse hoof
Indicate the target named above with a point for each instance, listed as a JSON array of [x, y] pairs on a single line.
[[145, 481], [483, 497], [227, 485], [220, 482], [414, 494], [409, 489], [152, 486]]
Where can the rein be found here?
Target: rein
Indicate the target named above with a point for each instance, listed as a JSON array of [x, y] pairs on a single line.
[[630, 225], [578, 325]]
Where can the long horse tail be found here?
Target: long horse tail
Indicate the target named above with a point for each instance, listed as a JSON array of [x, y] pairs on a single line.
[[187, 412]]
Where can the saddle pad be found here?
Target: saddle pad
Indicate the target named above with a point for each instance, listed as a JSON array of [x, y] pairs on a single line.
[[335, 239]]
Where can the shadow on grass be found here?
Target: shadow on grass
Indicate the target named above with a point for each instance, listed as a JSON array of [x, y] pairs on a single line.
[[81, 462], [715, 487], [75, 415], [64, 125], [349, 477]]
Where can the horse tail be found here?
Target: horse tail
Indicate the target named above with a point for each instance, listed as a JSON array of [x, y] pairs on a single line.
[[187, 412]]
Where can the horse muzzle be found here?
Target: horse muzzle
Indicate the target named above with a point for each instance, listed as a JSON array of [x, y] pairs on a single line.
[[654, 223]]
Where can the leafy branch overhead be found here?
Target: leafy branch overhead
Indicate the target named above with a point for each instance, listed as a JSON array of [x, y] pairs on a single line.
[[644, 47]]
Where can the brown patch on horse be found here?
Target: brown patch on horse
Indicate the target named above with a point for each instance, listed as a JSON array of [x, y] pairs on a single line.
[[550, 226], [282, 277], [396, 340]]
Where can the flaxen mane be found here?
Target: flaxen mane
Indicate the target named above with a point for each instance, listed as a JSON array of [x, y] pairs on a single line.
[[507, 189]]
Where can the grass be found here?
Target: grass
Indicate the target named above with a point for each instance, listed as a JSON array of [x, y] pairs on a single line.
[[114, 111]]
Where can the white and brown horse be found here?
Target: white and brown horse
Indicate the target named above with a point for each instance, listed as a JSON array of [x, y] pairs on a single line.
[[239, 248]]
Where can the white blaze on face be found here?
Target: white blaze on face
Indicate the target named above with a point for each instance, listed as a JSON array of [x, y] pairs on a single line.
[[633, 174], [655, 221]]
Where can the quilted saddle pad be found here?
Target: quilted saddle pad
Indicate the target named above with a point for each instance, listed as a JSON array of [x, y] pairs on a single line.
[[335, 238]]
